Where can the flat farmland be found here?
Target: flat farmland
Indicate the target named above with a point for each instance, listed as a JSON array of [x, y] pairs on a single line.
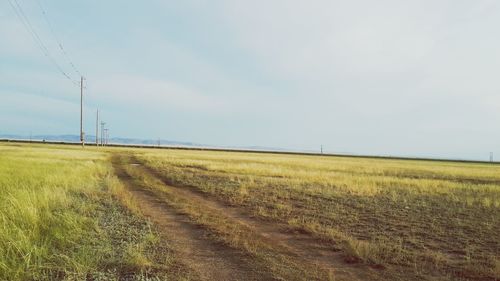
[[165, 214]]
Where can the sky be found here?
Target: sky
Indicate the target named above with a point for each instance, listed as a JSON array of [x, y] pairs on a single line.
[[408, 78]]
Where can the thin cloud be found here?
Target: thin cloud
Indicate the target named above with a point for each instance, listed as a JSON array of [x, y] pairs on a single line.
[[151, 94]]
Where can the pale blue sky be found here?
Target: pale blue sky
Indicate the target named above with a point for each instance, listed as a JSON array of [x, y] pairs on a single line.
[[416, 78]]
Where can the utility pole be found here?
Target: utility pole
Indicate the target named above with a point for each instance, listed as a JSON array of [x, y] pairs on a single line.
[[106, 136], [102, 133], [97, 129], [491, 156], [321, 149], [159, 142], [82, 137]]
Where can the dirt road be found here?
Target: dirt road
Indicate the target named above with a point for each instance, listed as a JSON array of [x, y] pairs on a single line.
[[212, 260]]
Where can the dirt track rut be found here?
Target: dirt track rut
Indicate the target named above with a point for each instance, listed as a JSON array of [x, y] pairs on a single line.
[[296, 244], [301, 245], [208, 259]]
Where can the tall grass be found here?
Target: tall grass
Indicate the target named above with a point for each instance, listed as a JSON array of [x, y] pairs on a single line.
[[421, 215], [59, 219]]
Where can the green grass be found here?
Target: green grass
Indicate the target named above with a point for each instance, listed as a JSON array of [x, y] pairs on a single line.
[[63, 217], [431, 218]]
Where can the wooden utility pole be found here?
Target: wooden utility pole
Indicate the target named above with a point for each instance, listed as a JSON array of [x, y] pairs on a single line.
[[106, 136], [82, 137], [97, 129], [102, 133]]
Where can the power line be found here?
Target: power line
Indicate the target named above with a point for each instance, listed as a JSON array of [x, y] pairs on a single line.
[[24, 19], [29, 27], [52, 31]]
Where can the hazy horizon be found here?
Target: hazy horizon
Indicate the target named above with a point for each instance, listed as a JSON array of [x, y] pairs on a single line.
[[381, 78]]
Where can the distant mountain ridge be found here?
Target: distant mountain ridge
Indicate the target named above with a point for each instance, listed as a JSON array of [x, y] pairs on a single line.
[[136, 141], [166, 143], [91, 139]]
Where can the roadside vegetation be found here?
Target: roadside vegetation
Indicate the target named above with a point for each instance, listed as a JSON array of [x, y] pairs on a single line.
[[266, 255], [108, 214], [436, 220], [65, 216]]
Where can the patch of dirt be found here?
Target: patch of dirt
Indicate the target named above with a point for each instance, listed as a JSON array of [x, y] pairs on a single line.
[[297, 243], [209, 260]]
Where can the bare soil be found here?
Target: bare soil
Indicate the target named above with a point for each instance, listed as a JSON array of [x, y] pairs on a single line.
[[216, 261], [208, 259]]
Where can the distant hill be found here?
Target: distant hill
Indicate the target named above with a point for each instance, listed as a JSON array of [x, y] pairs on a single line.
[[166, 143], [120, 140], [91, 139]]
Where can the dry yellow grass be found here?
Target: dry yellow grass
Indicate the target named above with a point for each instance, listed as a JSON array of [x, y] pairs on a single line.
[[60, 219], [265, 254], [409, 219], [433, 218]]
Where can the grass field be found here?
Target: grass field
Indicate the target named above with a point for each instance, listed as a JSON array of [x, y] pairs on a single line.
[[116, 213], [64, 216], [433, 218]]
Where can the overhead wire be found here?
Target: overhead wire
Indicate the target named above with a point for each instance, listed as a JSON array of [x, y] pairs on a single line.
[[29, 27], [56, 38]]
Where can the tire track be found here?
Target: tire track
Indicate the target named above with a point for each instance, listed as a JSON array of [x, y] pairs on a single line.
[[209, 260], [298, 244]]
